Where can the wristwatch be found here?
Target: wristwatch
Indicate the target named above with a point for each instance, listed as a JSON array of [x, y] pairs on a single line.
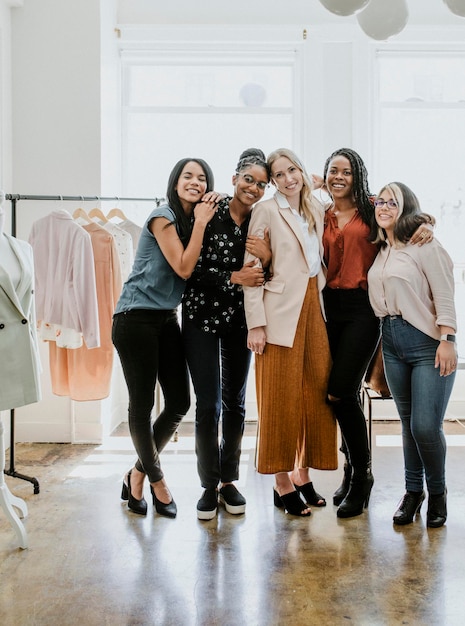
[[450, 338]]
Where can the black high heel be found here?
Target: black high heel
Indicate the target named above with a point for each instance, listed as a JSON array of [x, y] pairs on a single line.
[[311, 497], [358, 495], [408, 507], [291, 502], [168, 510], [343, 488], [437, 510], [137, 506]]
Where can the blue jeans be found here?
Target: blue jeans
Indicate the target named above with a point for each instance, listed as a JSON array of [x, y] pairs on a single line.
[[219, 367], [421, 396], [149, 345]]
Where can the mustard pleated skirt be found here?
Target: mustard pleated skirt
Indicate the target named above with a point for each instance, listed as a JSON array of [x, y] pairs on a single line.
[[296, 428]]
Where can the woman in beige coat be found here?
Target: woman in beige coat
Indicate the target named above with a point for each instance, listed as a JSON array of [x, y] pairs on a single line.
[[287, 332]]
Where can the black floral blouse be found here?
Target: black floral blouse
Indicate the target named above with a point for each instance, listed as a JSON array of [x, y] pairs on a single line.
[[210, 301]]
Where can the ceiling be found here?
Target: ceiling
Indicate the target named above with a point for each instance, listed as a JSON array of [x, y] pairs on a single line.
[[265, 12]]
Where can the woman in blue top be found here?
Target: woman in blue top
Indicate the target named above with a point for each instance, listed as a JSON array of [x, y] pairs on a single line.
[[146, 332]]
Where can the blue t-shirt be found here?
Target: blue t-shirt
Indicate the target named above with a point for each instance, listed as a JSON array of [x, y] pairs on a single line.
[[152, 283]]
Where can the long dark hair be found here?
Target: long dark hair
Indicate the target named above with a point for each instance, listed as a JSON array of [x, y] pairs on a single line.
[[360, 187], [183, 222]]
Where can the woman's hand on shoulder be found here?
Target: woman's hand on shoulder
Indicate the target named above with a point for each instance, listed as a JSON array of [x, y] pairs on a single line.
[[204, 211], [318, 181], [256, 339], [423, 234]]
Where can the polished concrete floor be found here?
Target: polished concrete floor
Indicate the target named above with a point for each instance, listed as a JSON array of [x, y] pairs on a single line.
[[91, 562]]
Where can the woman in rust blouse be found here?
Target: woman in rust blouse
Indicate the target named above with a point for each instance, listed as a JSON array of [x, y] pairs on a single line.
[[353, 329]]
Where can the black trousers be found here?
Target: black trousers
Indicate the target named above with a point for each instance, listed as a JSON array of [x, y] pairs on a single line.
[[150, 348], [219, 366], [353, 333]]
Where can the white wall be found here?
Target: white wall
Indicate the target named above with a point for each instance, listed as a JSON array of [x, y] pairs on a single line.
[[57, 150], [5, 125], [65, 113]]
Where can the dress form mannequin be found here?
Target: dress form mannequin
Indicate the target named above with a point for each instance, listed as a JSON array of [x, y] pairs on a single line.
[[10, 263]]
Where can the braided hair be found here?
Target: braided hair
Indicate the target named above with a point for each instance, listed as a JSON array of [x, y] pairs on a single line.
[[360, 187], [252, 156]]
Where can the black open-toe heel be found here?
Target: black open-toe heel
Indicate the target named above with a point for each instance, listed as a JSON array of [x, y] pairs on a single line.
[[311, 497], [291, 502]]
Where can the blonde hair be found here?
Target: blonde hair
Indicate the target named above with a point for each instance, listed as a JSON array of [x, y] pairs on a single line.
[[306, 206]]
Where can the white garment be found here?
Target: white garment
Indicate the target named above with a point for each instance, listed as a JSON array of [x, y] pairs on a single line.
[[124, 247], [66, 292], [134, 230]]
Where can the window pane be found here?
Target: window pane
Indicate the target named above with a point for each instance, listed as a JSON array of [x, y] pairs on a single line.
[[210, 85], [155, 142], [424, 78]]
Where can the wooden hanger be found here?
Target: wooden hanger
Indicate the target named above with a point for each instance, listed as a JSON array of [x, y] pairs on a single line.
[[80, 213], [96, 212], [116, 213]]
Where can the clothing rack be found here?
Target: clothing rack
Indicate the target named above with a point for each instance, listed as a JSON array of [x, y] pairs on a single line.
[[14, 199]]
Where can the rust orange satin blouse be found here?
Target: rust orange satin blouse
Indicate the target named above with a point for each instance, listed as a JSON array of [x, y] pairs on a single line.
[[347, 252]]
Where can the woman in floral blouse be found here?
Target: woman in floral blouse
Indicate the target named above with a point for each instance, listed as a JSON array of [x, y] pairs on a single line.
[[215, 334]]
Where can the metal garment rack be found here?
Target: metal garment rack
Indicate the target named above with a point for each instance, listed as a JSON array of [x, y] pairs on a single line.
[[14, 199]]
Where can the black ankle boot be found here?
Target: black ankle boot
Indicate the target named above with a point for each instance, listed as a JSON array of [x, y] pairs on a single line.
[[437, 510], [343, 488], [408, 507], [358, 495]]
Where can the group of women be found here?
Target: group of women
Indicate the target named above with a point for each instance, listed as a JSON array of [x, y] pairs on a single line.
[[290, 281]]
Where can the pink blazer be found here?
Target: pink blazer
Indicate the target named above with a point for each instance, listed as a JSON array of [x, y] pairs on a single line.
[[65, 276], [277, 304]]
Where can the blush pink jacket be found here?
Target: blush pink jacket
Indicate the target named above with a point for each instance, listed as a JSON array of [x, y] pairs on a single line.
[[65, 290], [277, 304]]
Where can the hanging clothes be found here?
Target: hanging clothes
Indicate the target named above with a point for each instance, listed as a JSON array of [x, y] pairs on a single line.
[[123, 241], [84, 374], [20, 362], [134, 230], [65, 276]]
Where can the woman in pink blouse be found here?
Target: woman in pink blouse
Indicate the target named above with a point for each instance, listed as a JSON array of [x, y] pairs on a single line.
[[412, 291]]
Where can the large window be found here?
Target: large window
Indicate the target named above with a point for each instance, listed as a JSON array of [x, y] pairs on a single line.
[[211, 105], [420, 140]]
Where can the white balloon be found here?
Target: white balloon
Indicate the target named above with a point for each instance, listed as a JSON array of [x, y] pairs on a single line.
[[382, 19], [344, 7], [456, 6]]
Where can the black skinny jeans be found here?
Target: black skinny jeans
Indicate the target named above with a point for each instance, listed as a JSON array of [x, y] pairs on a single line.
[[219, 366], [353, 333], [149, 345]]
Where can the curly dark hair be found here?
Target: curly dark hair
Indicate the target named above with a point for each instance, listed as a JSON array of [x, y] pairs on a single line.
[[360, 187]]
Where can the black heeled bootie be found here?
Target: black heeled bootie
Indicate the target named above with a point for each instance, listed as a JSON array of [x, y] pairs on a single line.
[[437, 510], [168, 510], [408, 507], [137, 506], [358, 495], [343, 488]]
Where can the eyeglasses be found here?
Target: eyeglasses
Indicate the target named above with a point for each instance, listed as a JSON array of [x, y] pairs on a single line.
[[391, 204], [251, 181]]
